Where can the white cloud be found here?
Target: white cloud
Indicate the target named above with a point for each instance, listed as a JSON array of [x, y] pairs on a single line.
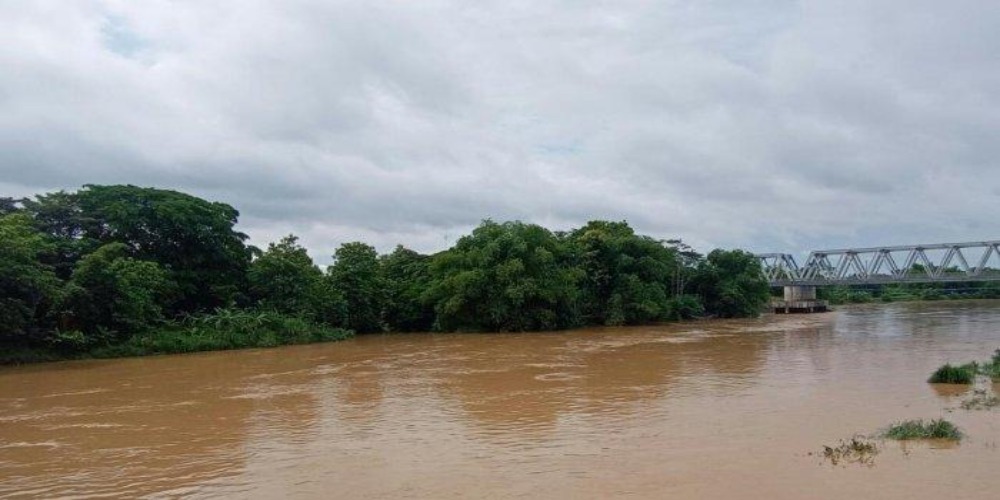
[[771, 125]]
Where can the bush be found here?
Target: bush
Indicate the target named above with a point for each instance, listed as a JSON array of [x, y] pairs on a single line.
[[225, 329], [918, 429], [684, 307], [948, 374]]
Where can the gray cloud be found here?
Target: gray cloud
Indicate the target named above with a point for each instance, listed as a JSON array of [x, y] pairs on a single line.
[[769, 125]]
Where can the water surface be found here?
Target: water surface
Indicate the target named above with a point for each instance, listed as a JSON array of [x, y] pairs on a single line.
[[710, 409]]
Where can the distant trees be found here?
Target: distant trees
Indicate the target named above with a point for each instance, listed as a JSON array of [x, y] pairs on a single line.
[[730, 284], [406, 276], [111, 295], [95, 268], [284, 279], [627, 277], [193, 239], [28, 286], [355, 273], [506, 277], [895, 292]]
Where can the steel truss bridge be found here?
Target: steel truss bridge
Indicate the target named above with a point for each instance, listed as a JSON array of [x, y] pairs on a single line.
[[944, 262]]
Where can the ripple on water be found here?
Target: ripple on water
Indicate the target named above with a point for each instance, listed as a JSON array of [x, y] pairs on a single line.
[[76, 393], [94, 425], [25, 444], [557, 377], [264, 393], [327, 369]]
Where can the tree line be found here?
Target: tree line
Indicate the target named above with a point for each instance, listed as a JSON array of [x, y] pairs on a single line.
[[902, 292], [151, 269]]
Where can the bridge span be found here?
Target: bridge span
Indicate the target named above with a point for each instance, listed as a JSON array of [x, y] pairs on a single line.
[[896, 264], [931, 263]]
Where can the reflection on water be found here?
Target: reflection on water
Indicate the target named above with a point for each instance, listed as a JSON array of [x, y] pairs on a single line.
[[647, 412]]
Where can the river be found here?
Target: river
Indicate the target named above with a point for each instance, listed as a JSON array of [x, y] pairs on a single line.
[[707, 409]]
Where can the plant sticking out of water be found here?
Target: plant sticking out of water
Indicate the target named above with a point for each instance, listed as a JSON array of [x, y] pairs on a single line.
[[918, 429], [992, 369], [981, 400], [948, 374], [858, 450], [966, 374]]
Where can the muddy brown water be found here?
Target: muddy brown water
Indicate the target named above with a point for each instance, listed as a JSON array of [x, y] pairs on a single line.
[[711, 409]]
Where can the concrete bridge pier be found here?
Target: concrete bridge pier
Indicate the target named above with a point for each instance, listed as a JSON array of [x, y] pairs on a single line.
[[794, 293], [799, 299]]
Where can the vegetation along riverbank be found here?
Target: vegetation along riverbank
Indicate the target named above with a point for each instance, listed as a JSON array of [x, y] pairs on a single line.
[[123, 270], [902, 292]]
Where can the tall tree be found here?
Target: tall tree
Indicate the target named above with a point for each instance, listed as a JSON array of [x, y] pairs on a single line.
[[731, 284], [628, 276], [505, 277], [355, 274], [28, 287], [10, 205], [193, 239], [59, 216], [112, 295], [406, 275], [285, 279]]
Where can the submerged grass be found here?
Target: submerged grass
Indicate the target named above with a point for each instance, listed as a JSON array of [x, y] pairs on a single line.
[[918, 429], [859, 450], [981, 400]]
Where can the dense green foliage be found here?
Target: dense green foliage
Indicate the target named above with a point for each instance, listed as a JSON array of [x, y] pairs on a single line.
[[110, 293], [949, 374], [284, 279], [194, 239], [221, 330], [356, 274], [918, 429], [406, 275], [28, 286], [505, 277], [966, 374], [729, 281], [627, 277], [121, 270], [899, 292]]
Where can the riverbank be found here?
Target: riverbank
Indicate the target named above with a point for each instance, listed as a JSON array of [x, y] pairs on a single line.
[[224, 330], [864, 294]]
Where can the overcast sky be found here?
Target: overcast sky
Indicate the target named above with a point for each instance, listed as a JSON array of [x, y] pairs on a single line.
[[765, 125]]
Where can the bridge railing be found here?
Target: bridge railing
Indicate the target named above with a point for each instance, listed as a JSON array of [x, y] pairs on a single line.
[[895, 264]]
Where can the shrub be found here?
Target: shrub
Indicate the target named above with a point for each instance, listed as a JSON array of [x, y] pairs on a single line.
[[918, 429], [225, 329], [948, 374]]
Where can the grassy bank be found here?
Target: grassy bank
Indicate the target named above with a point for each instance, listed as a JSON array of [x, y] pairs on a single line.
[[223, 330]]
